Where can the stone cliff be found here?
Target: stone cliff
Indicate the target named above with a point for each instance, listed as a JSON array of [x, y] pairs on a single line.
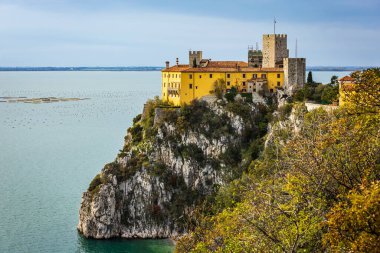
[[172, 160]]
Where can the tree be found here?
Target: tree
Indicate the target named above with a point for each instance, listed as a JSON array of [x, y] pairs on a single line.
[[354, 223], [334, 80], [219, 88], [364, 95], [329, 94], [310, 77], [230, 96]]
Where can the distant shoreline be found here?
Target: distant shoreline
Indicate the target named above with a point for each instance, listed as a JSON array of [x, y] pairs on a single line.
[[154, 68]]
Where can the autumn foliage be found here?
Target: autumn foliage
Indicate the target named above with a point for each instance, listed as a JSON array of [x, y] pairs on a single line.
[[314, 188]]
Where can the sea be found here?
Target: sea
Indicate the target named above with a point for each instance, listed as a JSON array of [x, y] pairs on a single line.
[[50, 152]]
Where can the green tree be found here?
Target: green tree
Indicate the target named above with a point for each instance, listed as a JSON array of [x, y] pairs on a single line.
[[334, 80], [194, 63], [329, 94], [219, 88], [310, 77], [231, 94]]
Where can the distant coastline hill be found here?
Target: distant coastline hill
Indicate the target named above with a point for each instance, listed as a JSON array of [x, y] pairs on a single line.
[[156, 68]]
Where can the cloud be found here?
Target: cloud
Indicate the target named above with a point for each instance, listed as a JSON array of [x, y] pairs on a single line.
[[76, 37]]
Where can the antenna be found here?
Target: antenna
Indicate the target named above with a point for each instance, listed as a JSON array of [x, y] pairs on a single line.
[[296, 48], [274, 25]]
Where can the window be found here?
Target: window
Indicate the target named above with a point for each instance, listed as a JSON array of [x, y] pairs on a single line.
[[200, 76], [263, 75], [243, 83], [228, 75], [190, 76], [254, 76], [164, 75], [228, 83], [278, 84], [164, 85], [179, 75], [278, 75], [176, 75], [243, 75], [190, 86], [244, 90], [271, 90], [254, 90], [210, 75], [168, 75], [196, 87], [164, 94]]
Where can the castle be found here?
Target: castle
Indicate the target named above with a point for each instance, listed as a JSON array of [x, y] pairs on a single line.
[[265, 72]]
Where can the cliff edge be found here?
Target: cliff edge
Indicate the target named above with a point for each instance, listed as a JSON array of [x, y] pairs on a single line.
[[173, 159]]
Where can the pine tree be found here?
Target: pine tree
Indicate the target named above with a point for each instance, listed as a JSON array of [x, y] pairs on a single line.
[[310, 77]]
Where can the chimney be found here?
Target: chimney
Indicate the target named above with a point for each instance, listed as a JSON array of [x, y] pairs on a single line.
[[176, 61], [167, 64]]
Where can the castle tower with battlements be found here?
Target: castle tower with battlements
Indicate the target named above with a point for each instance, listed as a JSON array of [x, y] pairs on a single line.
[[275, 49], [195, 58]]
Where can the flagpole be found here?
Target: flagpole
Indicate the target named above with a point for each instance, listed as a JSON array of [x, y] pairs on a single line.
[[274, 25]]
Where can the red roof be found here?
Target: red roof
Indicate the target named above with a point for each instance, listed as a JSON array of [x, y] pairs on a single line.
[[176, 68], [347, 79], [221, 66]]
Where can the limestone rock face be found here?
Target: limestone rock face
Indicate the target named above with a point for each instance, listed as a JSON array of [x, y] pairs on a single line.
[[153, 186]]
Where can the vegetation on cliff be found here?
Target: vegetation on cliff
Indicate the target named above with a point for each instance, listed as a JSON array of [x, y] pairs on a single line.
[[314, 188], [174, 160], [213, 175]]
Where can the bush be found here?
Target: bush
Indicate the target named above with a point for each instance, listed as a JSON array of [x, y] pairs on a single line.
[[230, 95], [136, 119], [284, 111], [95, 183], [136, 132]]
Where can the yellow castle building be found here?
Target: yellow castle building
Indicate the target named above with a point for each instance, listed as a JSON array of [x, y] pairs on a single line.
[[266, 71]]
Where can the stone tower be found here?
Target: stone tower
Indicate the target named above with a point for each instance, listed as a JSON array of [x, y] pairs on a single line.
[[275, 49], [294, 74], [255, 58], [195, 58]]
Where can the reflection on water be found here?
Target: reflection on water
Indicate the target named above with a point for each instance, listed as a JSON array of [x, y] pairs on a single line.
[[123, 246]]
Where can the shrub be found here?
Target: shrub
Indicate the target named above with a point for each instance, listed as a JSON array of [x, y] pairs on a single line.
[[95, 183], [136, 119], [136, 132], [230, 95]]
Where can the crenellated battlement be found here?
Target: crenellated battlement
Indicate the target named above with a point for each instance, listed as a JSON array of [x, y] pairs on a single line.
[[276, 35]]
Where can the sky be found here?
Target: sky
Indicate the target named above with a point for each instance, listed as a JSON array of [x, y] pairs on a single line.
[[150, 32]]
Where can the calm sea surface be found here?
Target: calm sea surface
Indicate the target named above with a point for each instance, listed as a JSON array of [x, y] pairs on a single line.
[[50, 152]]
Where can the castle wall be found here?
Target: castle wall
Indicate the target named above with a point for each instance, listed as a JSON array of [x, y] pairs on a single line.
[[294, 74]]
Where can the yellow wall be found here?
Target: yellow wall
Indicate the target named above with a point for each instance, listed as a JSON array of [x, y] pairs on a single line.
[[238, 79], [202, 83], [171, 81]]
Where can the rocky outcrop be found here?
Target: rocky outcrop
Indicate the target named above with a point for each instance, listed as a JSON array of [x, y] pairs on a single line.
[[167, 167]]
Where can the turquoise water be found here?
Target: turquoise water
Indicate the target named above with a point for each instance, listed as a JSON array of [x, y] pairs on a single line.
[[50, 152], [325, 76]]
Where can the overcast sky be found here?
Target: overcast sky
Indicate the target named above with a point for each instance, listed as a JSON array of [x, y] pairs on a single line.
[[149, 32]]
